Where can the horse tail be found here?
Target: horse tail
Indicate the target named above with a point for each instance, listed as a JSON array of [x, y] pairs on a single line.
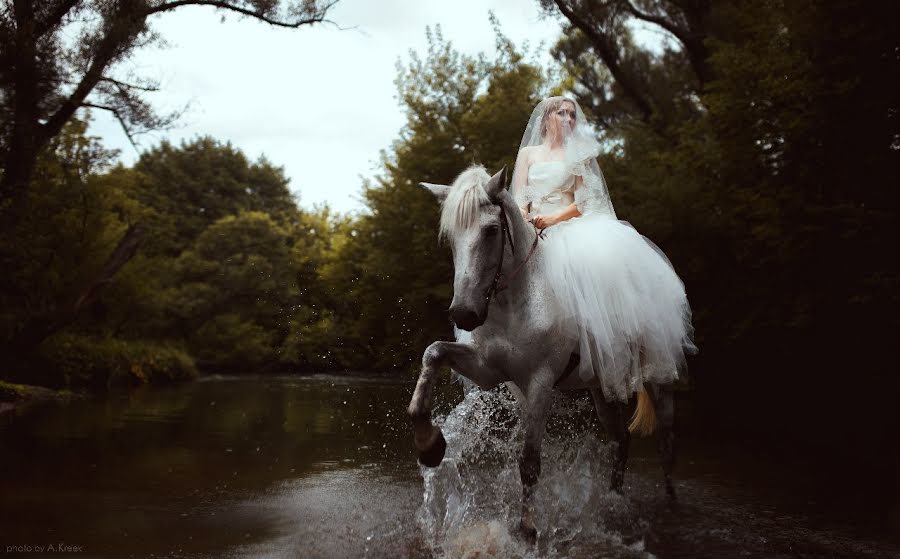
[[643, 422]]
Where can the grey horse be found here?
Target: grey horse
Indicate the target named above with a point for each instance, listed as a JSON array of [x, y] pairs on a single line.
[[499, 298]]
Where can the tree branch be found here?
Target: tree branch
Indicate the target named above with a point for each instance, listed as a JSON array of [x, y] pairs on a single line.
[[697, 52], [610, 59], [678, 32], [118, 33], [123, 85], [118, 116], [125, 251], [317, 17], [54, 16]]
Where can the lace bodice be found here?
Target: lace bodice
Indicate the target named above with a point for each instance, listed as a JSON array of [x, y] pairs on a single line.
[[549, 187]]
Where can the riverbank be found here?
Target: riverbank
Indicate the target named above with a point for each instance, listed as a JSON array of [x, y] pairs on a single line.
[[13, 395]]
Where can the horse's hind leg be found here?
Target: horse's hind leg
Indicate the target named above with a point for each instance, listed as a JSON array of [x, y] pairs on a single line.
[[664, 402], [612, 416], [539, 395]]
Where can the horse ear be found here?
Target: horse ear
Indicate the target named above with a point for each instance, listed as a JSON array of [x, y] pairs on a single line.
[[440, 191], [497, 183]]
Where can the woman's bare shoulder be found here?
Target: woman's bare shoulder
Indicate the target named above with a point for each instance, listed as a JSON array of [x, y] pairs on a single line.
[[528, 153]]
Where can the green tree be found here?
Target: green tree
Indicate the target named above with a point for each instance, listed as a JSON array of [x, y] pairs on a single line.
[[76, 235], [192, 186], [320, 334], [770, 186], [60, 56], [232, 289], [230, 278], [232, 266]]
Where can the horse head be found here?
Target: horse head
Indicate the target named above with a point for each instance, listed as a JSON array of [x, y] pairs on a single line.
[[474, 221]]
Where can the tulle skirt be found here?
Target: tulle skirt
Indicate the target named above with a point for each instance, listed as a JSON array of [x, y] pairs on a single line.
[[620, 300]]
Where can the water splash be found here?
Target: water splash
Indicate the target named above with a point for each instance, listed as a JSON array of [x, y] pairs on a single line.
[[471, 502]]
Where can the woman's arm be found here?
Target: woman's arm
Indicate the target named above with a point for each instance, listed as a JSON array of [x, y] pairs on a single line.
[[520, 177], [545, 221], [565, 214], [568, 213]]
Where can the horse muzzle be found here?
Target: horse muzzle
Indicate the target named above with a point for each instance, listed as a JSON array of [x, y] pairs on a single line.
[[465, 318]]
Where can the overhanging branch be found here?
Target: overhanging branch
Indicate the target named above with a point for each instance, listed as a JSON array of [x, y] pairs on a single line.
[[693, 45], [124, 251], [124, 85], [54, 16], [120, 32], [678, 32], [610, 58], [317, 17], [118, 116]]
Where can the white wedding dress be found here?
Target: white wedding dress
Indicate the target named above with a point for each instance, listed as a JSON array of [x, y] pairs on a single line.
[[618, 296]]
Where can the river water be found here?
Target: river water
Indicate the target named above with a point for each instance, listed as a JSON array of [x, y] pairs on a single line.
[[323, 466]]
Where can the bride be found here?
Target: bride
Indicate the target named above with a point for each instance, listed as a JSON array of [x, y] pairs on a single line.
[[616, 292]]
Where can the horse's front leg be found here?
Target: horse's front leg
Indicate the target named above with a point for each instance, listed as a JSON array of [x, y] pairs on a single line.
[[465, 360], [539, 395]]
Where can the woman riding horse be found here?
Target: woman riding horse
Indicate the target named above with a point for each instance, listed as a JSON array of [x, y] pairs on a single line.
[[596, 306]]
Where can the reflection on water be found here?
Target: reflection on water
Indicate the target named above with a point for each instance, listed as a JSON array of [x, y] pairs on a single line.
[[323, 466], [198, 468]]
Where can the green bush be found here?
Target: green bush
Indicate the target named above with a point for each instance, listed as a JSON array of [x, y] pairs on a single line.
[[227, 342], [97, 362]]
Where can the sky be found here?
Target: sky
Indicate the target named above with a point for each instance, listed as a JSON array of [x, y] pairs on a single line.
[[318, 101]]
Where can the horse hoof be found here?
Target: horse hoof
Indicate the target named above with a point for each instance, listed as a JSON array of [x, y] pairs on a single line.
[[670, 493], [434, 455], [615, 483], [528, 532]]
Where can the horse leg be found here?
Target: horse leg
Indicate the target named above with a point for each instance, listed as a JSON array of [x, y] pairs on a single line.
[[518, 395], [664, 403], [466, 361], [539, 395], [612, 416]]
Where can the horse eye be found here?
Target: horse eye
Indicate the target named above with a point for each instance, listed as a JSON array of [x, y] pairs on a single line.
[[491, 230]]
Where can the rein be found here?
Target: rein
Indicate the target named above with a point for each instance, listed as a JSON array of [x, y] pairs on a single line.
[[502, 282]]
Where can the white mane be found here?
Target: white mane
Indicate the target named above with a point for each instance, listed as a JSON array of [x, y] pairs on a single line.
[[467, 194]]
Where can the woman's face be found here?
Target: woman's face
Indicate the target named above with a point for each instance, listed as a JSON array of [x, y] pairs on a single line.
[[561, 121], [565, 117]]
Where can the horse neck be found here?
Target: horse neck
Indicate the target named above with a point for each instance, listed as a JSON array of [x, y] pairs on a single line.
[[523, 234]]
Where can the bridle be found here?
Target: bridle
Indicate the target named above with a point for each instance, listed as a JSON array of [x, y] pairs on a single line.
[[502, 282]]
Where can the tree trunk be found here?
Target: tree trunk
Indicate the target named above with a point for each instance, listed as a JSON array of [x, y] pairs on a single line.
[[21, 154], [39, 328]]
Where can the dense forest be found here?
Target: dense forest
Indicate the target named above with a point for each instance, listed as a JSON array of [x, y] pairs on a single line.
[[759, 149]]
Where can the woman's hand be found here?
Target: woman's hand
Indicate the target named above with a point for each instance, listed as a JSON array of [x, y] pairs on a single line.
[[545, 221]]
